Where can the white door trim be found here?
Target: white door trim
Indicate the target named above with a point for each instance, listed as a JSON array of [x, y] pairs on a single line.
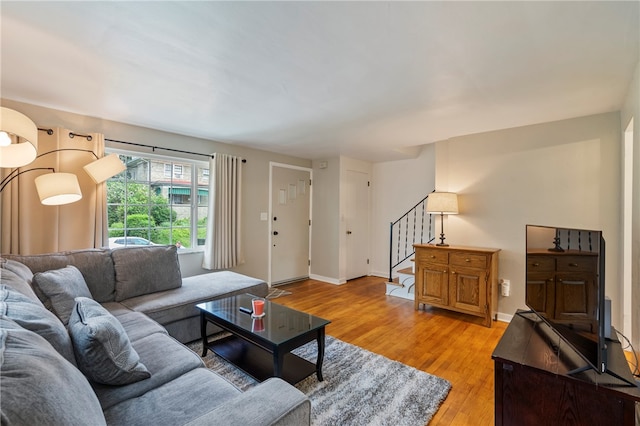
[[273, 164]]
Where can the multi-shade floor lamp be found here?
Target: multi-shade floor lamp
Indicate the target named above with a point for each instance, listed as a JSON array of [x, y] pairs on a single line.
[[19, 147]]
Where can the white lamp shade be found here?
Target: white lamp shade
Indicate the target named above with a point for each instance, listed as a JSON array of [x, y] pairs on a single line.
[[104, 168], [442, 202], [58, 188], [24, 146]]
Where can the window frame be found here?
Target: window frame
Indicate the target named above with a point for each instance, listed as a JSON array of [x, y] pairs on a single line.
[[194, 205], [178, 170]]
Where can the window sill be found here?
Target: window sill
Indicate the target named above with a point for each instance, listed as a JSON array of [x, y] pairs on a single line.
[[187, 251]]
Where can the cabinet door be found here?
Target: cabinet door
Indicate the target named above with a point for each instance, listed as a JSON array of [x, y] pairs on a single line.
[[468, 290], [540, 293], [435, 283], [576, 301]]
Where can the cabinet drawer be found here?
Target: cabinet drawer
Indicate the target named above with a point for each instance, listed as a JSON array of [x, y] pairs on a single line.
[[541, 263], [577, 263], [470, 260], [434, 256]]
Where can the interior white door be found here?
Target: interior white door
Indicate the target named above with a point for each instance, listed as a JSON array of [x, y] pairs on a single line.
[[357, 224], [290, 215]]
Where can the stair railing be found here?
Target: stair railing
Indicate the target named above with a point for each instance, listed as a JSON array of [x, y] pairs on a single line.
[[408, 230]]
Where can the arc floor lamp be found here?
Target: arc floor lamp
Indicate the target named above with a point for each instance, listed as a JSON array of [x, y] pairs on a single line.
[[19, 147]]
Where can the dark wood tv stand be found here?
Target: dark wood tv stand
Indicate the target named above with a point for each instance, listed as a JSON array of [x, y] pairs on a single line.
[[533, 385]]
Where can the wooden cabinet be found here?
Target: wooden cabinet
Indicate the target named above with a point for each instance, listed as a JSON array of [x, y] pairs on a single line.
[[534, 383], [562, 286], [462, 279]]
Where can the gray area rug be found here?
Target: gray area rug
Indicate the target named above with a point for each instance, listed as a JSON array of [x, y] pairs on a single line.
[[359, 387]]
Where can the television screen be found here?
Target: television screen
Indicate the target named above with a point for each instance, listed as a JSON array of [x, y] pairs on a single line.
[[565, 287]]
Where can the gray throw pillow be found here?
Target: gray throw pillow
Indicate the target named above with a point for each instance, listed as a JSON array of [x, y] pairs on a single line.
[[30, 314], [40, 387], [144, 270], [57, 289], [102, 347]]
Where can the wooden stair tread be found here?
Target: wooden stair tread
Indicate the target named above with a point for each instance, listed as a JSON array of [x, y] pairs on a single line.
[[406, 271]]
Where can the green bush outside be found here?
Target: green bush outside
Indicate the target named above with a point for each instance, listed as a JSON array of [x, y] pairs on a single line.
[[145, 210]]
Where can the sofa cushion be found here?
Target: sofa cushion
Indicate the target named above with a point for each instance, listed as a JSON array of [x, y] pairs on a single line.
[[136, 324], [164, 357], [144, 270], [272, 402], [30, 314], [179, 303], [39, 386], [102, 347], [17, 268], [96, 266], [57, 289], [187, 397], [13, 280]]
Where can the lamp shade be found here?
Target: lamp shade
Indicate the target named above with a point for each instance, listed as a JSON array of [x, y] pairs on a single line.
[[19, 141], [442, 203], [58, 188], [104, 168]]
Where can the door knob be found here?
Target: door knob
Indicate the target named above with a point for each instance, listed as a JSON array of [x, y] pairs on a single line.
[[275, 232], [348, 232]]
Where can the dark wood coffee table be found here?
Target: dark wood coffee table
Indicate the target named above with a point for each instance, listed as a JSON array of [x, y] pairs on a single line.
[[262, 347]]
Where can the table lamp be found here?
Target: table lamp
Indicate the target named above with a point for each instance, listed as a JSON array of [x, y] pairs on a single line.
[[442, 203]]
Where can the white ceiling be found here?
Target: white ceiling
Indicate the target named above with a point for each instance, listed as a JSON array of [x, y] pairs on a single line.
[[369, 80]]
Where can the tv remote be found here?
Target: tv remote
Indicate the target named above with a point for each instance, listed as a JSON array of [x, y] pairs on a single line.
[[246, 310]]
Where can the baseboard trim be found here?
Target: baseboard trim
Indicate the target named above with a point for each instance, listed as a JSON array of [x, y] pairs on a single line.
[[327, 279], [503, 317]]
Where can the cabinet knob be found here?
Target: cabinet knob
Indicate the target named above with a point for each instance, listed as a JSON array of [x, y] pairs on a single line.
[[453, 272], [559, 280], [432, 256], [575, 265], [536, 264], [467, 260]]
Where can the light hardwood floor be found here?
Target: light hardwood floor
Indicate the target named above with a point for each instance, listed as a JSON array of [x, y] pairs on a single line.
[[447, 344]]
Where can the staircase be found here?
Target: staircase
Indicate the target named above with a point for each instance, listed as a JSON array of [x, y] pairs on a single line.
[[403, 285], [413, 227]]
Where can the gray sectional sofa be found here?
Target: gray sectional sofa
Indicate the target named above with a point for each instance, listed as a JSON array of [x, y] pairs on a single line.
[[94, 337]]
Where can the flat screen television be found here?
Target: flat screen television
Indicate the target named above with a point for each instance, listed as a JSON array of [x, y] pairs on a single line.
[[565, 287]]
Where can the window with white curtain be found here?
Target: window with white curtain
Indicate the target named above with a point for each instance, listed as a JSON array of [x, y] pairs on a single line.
[[147, 205]]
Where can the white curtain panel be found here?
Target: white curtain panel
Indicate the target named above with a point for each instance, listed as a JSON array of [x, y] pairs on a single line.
[[223, 246], [28, 227]]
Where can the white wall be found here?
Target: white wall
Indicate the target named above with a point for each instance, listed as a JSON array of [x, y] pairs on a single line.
[[396, 187], [631, 110], [255, 175], [564, 174], [325, 228]]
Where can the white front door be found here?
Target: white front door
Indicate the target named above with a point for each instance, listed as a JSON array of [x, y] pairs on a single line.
[[357, 224], [290, 216]]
